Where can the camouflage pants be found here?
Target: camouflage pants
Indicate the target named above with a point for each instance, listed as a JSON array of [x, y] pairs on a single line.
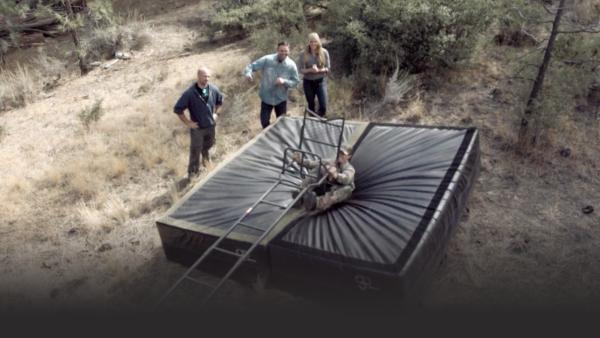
[[336, 194]]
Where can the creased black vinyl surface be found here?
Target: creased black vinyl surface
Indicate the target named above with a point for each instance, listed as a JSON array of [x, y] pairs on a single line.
[[399, 176], [221, 200]]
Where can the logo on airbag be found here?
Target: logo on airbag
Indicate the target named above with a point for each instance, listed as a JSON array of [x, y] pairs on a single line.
[[364, 283]]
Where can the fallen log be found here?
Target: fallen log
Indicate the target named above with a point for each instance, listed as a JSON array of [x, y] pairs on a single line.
[[36, 23], [44, 23]]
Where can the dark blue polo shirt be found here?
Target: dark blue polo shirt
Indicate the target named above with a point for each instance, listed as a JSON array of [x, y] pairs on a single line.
[[201, 112]]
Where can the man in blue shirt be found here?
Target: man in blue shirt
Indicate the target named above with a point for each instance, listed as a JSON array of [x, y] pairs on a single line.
[[202, 100], [278, 74]]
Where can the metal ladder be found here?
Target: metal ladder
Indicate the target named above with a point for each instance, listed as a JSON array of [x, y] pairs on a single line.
[[287, 168]]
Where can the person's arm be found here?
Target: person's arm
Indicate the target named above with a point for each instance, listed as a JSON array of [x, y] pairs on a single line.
[[218, 104], [345, 177], [254, 66], [294, 78], [180, 106], [189, 123], [303, 70], [327, 63], [309, 164]]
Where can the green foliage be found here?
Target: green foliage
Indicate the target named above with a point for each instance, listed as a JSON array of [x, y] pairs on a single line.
[[371, 36], [109, 33], [516, 22], [91, 114], [244, 17], [8, 12], [422, 34], [570, 74], [101, 14]]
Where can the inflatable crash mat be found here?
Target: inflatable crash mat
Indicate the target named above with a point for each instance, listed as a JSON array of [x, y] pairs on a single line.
[[412, 183]]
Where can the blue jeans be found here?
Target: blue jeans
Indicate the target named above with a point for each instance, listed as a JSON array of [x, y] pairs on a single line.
[[265, 112], [316, 88]]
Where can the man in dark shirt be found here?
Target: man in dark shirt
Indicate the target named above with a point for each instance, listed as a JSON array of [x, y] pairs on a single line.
[[202, 100]]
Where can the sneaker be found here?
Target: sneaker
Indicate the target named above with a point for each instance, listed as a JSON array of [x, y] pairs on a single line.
[[309, 201]]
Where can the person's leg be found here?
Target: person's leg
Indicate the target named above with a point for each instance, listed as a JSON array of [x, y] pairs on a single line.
[[333, 197], [309, 94], [307, 181], [281, 108], [321, 92], [265, 114], [208, 142], [196, 141]]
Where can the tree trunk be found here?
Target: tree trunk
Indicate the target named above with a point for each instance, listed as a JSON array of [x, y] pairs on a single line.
[[83, 67], [527, 136]]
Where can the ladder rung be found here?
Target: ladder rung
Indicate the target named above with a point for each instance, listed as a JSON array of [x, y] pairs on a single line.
[[294, 173], [312, 176], [320, 142], [274, 204], [324, 121], [289, 184], [251, 227], [197, 281], [225, 251], [229, 252]]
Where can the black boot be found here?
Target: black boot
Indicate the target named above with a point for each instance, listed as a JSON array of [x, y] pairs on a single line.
[[298, 203], [309, 201]]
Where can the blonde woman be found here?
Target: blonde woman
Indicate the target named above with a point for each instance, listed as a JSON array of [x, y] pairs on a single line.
[[314, 66]]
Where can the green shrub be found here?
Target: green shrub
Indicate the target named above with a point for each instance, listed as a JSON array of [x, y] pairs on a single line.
[[516, 23], [368, 36], [422, 34], [568, 79], [104, 42], [241, 18], [91, 114]]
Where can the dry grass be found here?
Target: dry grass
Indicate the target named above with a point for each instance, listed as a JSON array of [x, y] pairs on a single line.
[[104, 42], [91, 114], [415, 111], [586, 11], [18, 87]]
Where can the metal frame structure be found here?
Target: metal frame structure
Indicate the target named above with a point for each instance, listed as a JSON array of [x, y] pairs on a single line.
[[287, 168]]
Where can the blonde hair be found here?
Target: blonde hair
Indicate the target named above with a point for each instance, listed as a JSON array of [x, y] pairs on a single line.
[[319, 51]]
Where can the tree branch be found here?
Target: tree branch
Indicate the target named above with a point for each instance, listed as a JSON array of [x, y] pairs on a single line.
[[548, 10], [529, 34], [581, 62], [530, 19], [521, 78], [591, 31], [537, 49], [525, 66]]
